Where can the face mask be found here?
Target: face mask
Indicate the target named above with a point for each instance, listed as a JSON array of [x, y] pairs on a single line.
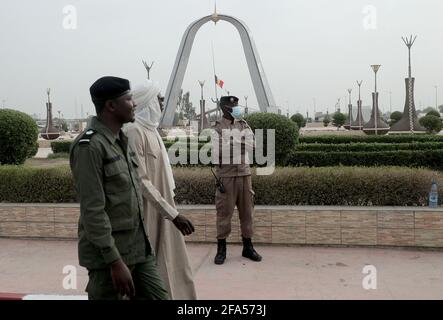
[[237, 112]]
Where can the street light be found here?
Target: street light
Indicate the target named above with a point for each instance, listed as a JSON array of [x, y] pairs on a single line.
[[59, 121], [436, 98], [202, 106], [390, 101], [375, 67]]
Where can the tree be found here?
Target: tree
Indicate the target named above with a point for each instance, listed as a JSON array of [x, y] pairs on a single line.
[[395, 117], [299, 120], [326, 120], [186, 107], [440, 108], [433, 112], [428, 109], [432, 123], [65, 126], [338, 119]]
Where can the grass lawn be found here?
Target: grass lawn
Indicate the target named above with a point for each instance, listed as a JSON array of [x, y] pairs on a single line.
[[46, 163]]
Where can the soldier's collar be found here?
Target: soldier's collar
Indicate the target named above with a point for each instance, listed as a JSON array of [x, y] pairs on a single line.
[[98, 126]]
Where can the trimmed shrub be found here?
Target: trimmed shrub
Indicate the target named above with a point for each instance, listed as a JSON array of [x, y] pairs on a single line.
[[396, 138], [25, 184], [286, 186], [320, 186], [338, 119], [395, 117], [18, 137], [432, 159], [345, 147], [326, 121], [431, 122], [61, 146], [60, 155], [434, 113], [299, 120], [286, 133]]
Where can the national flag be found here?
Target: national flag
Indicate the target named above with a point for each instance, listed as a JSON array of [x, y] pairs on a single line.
[[219, 82]]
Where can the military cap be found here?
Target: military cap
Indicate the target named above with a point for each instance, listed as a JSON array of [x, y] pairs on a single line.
[[108, 88], [225, 100]]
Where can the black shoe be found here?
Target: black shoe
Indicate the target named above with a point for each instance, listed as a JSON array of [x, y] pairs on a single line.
[[221, 252], [249, 251]]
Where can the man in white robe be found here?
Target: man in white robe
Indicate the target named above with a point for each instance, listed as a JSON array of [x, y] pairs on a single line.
[[166, 227]]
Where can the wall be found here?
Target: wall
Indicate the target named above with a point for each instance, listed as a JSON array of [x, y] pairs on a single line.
[[367, 226]]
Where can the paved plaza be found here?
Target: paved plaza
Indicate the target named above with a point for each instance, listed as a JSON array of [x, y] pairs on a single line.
[[36, 267]]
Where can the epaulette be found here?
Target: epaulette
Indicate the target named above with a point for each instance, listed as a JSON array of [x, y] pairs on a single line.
[[86, 137]]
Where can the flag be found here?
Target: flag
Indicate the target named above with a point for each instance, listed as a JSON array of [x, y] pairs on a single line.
[[219, 82]]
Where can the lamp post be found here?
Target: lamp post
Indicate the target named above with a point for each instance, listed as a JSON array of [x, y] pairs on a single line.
[[3, 103], [359, 121], [350, 108], [436, 98], [375, 67], [246, 105], [202, 106], [390, 101], [59, 121]]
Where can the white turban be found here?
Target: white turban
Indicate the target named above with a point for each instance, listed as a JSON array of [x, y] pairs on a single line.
[[148, 114], [147, 110]]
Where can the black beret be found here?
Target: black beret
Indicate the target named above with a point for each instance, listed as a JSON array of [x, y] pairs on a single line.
[[108, 88], [225, 100]]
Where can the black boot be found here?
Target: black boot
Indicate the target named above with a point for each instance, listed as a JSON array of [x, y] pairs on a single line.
[[249, 251], [221, 252]]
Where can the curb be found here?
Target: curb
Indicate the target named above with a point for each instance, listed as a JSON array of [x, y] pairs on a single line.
[[17, 296]]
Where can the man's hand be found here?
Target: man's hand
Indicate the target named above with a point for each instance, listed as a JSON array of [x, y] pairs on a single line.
[[184, 225], [122, 279]]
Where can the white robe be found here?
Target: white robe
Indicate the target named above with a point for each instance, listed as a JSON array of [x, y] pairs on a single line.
[[159, 211]]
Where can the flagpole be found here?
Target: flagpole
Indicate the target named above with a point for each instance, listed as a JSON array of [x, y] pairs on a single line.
[[213, 65]]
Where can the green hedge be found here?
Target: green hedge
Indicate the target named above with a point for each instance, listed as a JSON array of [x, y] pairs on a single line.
[[432, 159], [344, 147], [25, 184], [61, 146], [396, 138], [287, 186], [321, 186]]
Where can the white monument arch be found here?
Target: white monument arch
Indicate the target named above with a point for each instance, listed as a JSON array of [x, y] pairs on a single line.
[[261, 87]]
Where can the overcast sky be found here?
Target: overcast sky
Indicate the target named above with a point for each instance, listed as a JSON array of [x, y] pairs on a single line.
[[308, 49]]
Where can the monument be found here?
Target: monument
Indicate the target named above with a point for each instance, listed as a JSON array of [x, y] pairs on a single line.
[[261, 87], [409, 121], [349, 120], [375, 125], [357, 124], [49, 132]]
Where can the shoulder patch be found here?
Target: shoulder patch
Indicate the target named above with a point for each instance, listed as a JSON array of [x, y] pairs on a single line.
[[86, 137]]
